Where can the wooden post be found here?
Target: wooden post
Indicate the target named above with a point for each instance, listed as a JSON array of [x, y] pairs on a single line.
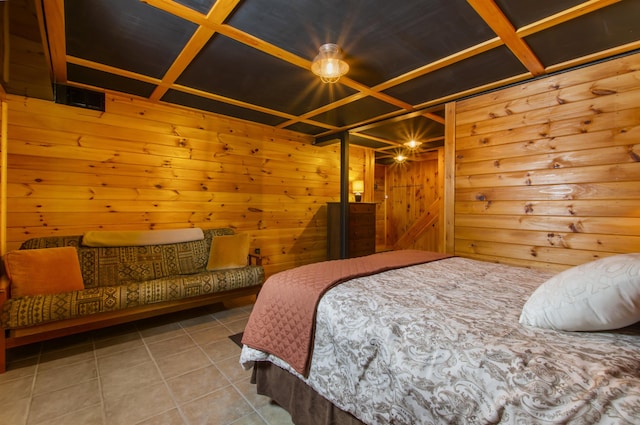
[[449, 177], [344, 192], [3, 177]]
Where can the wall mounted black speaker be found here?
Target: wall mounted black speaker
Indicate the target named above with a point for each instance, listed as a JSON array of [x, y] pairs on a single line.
[[82, 98]]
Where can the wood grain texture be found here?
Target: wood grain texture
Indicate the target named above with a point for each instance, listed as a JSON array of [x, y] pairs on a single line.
[[547, 173], [140, 165]]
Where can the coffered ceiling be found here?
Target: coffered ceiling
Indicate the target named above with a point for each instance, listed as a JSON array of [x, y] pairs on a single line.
[[250, 59]]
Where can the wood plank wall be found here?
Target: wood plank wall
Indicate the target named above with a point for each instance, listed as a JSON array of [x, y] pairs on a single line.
[[548, 172], [141, 165], [411, 188]]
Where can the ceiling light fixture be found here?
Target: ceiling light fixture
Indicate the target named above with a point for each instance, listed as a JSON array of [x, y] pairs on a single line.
[[328, 65], [413, 144], [400, 158]]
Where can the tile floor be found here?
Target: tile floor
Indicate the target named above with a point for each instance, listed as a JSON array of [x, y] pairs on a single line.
[[174, 369]]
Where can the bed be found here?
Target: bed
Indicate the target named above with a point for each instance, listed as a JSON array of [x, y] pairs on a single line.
[[449, 340]]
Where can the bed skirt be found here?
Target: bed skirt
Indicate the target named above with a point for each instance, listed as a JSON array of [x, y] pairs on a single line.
[[306, 406]]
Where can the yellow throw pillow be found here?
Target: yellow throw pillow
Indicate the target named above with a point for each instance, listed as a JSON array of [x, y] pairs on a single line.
[[43, 271], [228, 251]]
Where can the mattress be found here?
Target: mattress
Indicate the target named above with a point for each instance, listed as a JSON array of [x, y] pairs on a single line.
[[441, 343]]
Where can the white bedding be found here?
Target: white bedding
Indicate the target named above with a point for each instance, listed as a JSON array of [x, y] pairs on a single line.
[[441, 343]]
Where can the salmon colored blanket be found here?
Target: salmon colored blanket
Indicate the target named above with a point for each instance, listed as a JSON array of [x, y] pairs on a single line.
[[283, 319]]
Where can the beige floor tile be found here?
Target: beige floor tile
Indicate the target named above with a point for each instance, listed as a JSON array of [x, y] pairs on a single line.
[[140, 405], [221, 349], [15, 389], [66, 355], [15, 411], [218, 408], [275, 415], [172, 417], [118, 343], [250, 419], [129, 380], [237, 326], [157, 331], [170, 346], [19, 368], [183, 362], [233, 315], [64, 376], [233, 370], [197, 383], [52, 405], [248, 390], [139, 373], [129, 358], [207, 336], [199, 323], [89, 416]]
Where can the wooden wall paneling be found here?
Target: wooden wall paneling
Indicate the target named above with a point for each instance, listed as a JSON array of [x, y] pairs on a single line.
[[412, 187], [547, 172], [141, 165], [4, 118]]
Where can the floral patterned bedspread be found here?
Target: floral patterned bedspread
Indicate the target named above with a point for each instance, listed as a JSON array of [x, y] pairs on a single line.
[[441, 343]]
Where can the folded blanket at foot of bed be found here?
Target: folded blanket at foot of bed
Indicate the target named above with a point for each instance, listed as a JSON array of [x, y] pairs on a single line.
[[282, 320]]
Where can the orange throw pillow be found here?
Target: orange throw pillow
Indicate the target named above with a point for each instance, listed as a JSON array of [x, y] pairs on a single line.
[[229, 251], [43, 271]]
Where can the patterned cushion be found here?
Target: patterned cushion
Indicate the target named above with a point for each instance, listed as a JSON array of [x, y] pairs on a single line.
[[116, 278], [27, 311], [112, 266]]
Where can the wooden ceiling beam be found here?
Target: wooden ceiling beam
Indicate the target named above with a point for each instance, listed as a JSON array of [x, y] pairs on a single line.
[[54, 16], [391, 143], [635, 45], [251, 106], [112, 70], [216, 16], [498, 22], [178, 10]]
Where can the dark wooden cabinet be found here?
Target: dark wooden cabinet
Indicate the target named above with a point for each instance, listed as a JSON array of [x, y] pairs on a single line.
[[361, 230]]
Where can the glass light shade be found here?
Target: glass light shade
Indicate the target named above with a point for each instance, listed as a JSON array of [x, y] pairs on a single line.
[[357, 187], [400, 158], [328, 65], [413, 144]]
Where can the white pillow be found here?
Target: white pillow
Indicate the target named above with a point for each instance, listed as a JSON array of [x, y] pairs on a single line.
[[600, 295]]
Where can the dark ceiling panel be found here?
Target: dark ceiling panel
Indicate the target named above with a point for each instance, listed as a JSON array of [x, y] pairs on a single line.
[[354, 139], [358, 111], [204, 104], [202, 6], [418, 128], [494, 65], [124, 44], [524, 12], [231, 69], [100, 79], [302, 127], [125, 34], [380, 42], [600, 30]]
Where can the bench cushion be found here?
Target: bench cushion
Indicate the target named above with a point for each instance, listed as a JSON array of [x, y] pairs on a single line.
[[119, 265], [28, 311]]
